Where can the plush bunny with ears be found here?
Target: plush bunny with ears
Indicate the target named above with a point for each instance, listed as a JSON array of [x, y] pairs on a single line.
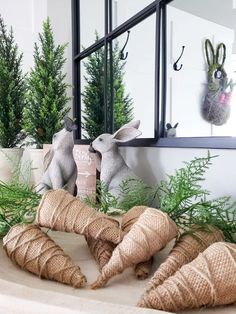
[[108, 159]]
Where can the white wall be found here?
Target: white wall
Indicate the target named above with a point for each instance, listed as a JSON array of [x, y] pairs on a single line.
[[152, 164]]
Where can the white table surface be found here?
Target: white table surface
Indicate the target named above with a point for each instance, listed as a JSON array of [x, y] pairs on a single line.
[[22, 292]]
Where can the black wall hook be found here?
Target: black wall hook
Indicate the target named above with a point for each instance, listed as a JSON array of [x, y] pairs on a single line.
[[175, 65], [122, 55]]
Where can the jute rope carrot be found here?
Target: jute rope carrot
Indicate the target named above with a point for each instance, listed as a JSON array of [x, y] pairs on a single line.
[[143, 269], [186, 248], [59, 210], [100, 250], [31, 249], [151, 232], [209, 280]]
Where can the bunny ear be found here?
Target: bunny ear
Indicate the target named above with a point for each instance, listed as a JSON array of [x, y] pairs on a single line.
[[176, 125], [47, 159], [132, 124], [210, 54], [126, 134], [168, 126]]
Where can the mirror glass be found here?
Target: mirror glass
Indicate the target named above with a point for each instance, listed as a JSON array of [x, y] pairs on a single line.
[[124, 9], [201, 96], [91, 21], [92, 95], [137, 72]]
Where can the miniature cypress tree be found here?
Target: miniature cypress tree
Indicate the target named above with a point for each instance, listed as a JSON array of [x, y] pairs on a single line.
[[47, 90], [12, 89], [93, 94]]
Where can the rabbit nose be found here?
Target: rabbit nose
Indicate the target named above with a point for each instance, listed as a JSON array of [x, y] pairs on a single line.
[[91, 149]]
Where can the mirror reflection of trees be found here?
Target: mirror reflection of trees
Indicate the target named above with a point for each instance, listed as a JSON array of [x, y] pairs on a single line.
[[120, 105]]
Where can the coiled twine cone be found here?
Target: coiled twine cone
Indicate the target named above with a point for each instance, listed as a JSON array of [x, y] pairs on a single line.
[[132, 215], [31, 249], [100, 250], [151, 232], [59, 210], [186, 248], [143, 269], [209, 280]]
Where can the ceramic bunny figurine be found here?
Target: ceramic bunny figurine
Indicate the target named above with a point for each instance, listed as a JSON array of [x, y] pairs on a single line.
[[60, 170], [171, 130], [108, 159]]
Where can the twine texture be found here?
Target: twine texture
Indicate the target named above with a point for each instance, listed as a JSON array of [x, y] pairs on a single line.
[[187, 247], [100, 250], [59, 210], [151, 232], [209, 280], [32, 249], [143, 269]]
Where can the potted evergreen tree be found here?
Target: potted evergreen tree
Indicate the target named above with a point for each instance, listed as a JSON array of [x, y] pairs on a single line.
[[46, 99], [93, 94], [12, 101]]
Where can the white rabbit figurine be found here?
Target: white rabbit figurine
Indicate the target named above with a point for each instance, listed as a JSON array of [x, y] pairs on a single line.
[[60, 170], [109, 162]]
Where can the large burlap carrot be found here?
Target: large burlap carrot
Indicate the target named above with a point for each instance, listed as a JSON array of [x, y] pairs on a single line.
[[186, 248], [143, 269], [100, 250], [151, 232], [209, 280], [31, 249], [59, 210]]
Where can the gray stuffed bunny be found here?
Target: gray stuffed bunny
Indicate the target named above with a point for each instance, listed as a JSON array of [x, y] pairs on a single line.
[[60, 170]]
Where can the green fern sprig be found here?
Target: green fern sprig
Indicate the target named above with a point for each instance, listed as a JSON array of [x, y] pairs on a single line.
[[102, 199], [17, 205], [181, 192], [135, 192]]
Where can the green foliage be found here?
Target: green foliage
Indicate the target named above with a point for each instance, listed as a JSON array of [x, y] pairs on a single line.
[[93, 94], [221, 213], [181, 192], [135, 192], [185, 201], [47, 90], [102, 200], [12, 89], [17, 200]]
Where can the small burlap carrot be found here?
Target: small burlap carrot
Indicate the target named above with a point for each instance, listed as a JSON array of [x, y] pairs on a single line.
[[186, 248], [31, 249], [151, 232], [59, 210], [209, 280], [100, 250], [143, 269]]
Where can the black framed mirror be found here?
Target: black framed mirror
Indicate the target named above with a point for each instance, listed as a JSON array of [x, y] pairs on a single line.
[[199, 57], [116, 67]]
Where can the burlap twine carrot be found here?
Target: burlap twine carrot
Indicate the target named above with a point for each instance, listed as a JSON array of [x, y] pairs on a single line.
[[31, 249], [209, 280], [59, 210], [100, 250], [143, 269], [151, 232], [186, 248]]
